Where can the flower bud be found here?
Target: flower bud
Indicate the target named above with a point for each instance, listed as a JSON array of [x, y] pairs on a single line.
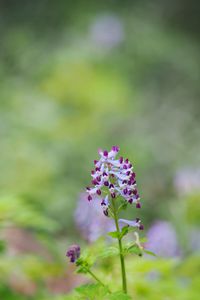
[[73, 253]]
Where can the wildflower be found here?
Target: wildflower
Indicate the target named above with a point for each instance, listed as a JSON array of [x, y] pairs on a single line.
[[73, 253], [162, 239], [133, 223], [113, 177]]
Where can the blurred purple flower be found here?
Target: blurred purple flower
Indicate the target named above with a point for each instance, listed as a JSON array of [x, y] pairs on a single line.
[[107, 31], [187, 180], [162, 240], [90, 220], [73, 252]]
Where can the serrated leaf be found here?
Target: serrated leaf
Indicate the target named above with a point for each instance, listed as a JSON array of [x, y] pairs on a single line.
[[149, 252], [114, 234]]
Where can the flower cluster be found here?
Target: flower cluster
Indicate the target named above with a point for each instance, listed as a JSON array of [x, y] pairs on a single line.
[[113, 177], [73, 253]]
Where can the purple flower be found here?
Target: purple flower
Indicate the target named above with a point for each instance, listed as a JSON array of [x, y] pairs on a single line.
[[187, 181], [113, 177], [107, 31], [162, 239], [73, 253], [132, 223]]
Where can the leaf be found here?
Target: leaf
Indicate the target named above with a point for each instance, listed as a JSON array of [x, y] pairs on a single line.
[[121, 234], [109, 252], [143, 240], [123, 206], [82, 270], [124, 231], [118, 296], [83, 266], [114, 234], [133, 249], [149, 252], [92, 291]]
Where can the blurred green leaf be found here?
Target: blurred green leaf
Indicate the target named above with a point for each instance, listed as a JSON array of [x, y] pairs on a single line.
[[149, 252], [14, 210], [114, 234], [133, 249], [124, 231], [92, 291]]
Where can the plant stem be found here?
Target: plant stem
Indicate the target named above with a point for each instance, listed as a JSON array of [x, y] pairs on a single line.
[[97, 279], [123, 270]]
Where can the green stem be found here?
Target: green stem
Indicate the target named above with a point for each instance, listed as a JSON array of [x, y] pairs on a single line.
[[97, 279], [123, 270]]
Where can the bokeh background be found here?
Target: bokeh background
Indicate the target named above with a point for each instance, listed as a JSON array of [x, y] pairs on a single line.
[[76, 76]]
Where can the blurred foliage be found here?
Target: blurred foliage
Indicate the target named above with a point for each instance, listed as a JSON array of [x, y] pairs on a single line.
[[153, 279], [64, 94]]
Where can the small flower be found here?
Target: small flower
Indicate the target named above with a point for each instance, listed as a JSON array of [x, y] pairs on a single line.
[[133, 223], [73, 253]]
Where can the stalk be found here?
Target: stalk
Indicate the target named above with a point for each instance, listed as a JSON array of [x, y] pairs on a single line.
[[97, 279], [123, 269]]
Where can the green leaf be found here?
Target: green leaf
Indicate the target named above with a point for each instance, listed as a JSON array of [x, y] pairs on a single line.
[[124, 231], [83, 265], [82, 270], [143, 240], [123, 206], [133, 249], [92, 291], [114, 234], [149, 252]]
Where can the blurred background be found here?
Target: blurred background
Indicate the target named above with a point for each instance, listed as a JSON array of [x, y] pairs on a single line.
[[76, 76]]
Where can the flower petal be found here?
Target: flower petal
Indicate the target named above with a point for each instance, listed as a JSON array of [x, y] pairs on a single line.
[[134, 223]]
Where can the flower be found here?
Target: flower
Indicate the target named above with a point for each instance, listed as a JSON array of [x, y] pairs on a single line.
[[113, 177], [133, 223], [73, 253], [107, 31], [162, 239], [187, 180]]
